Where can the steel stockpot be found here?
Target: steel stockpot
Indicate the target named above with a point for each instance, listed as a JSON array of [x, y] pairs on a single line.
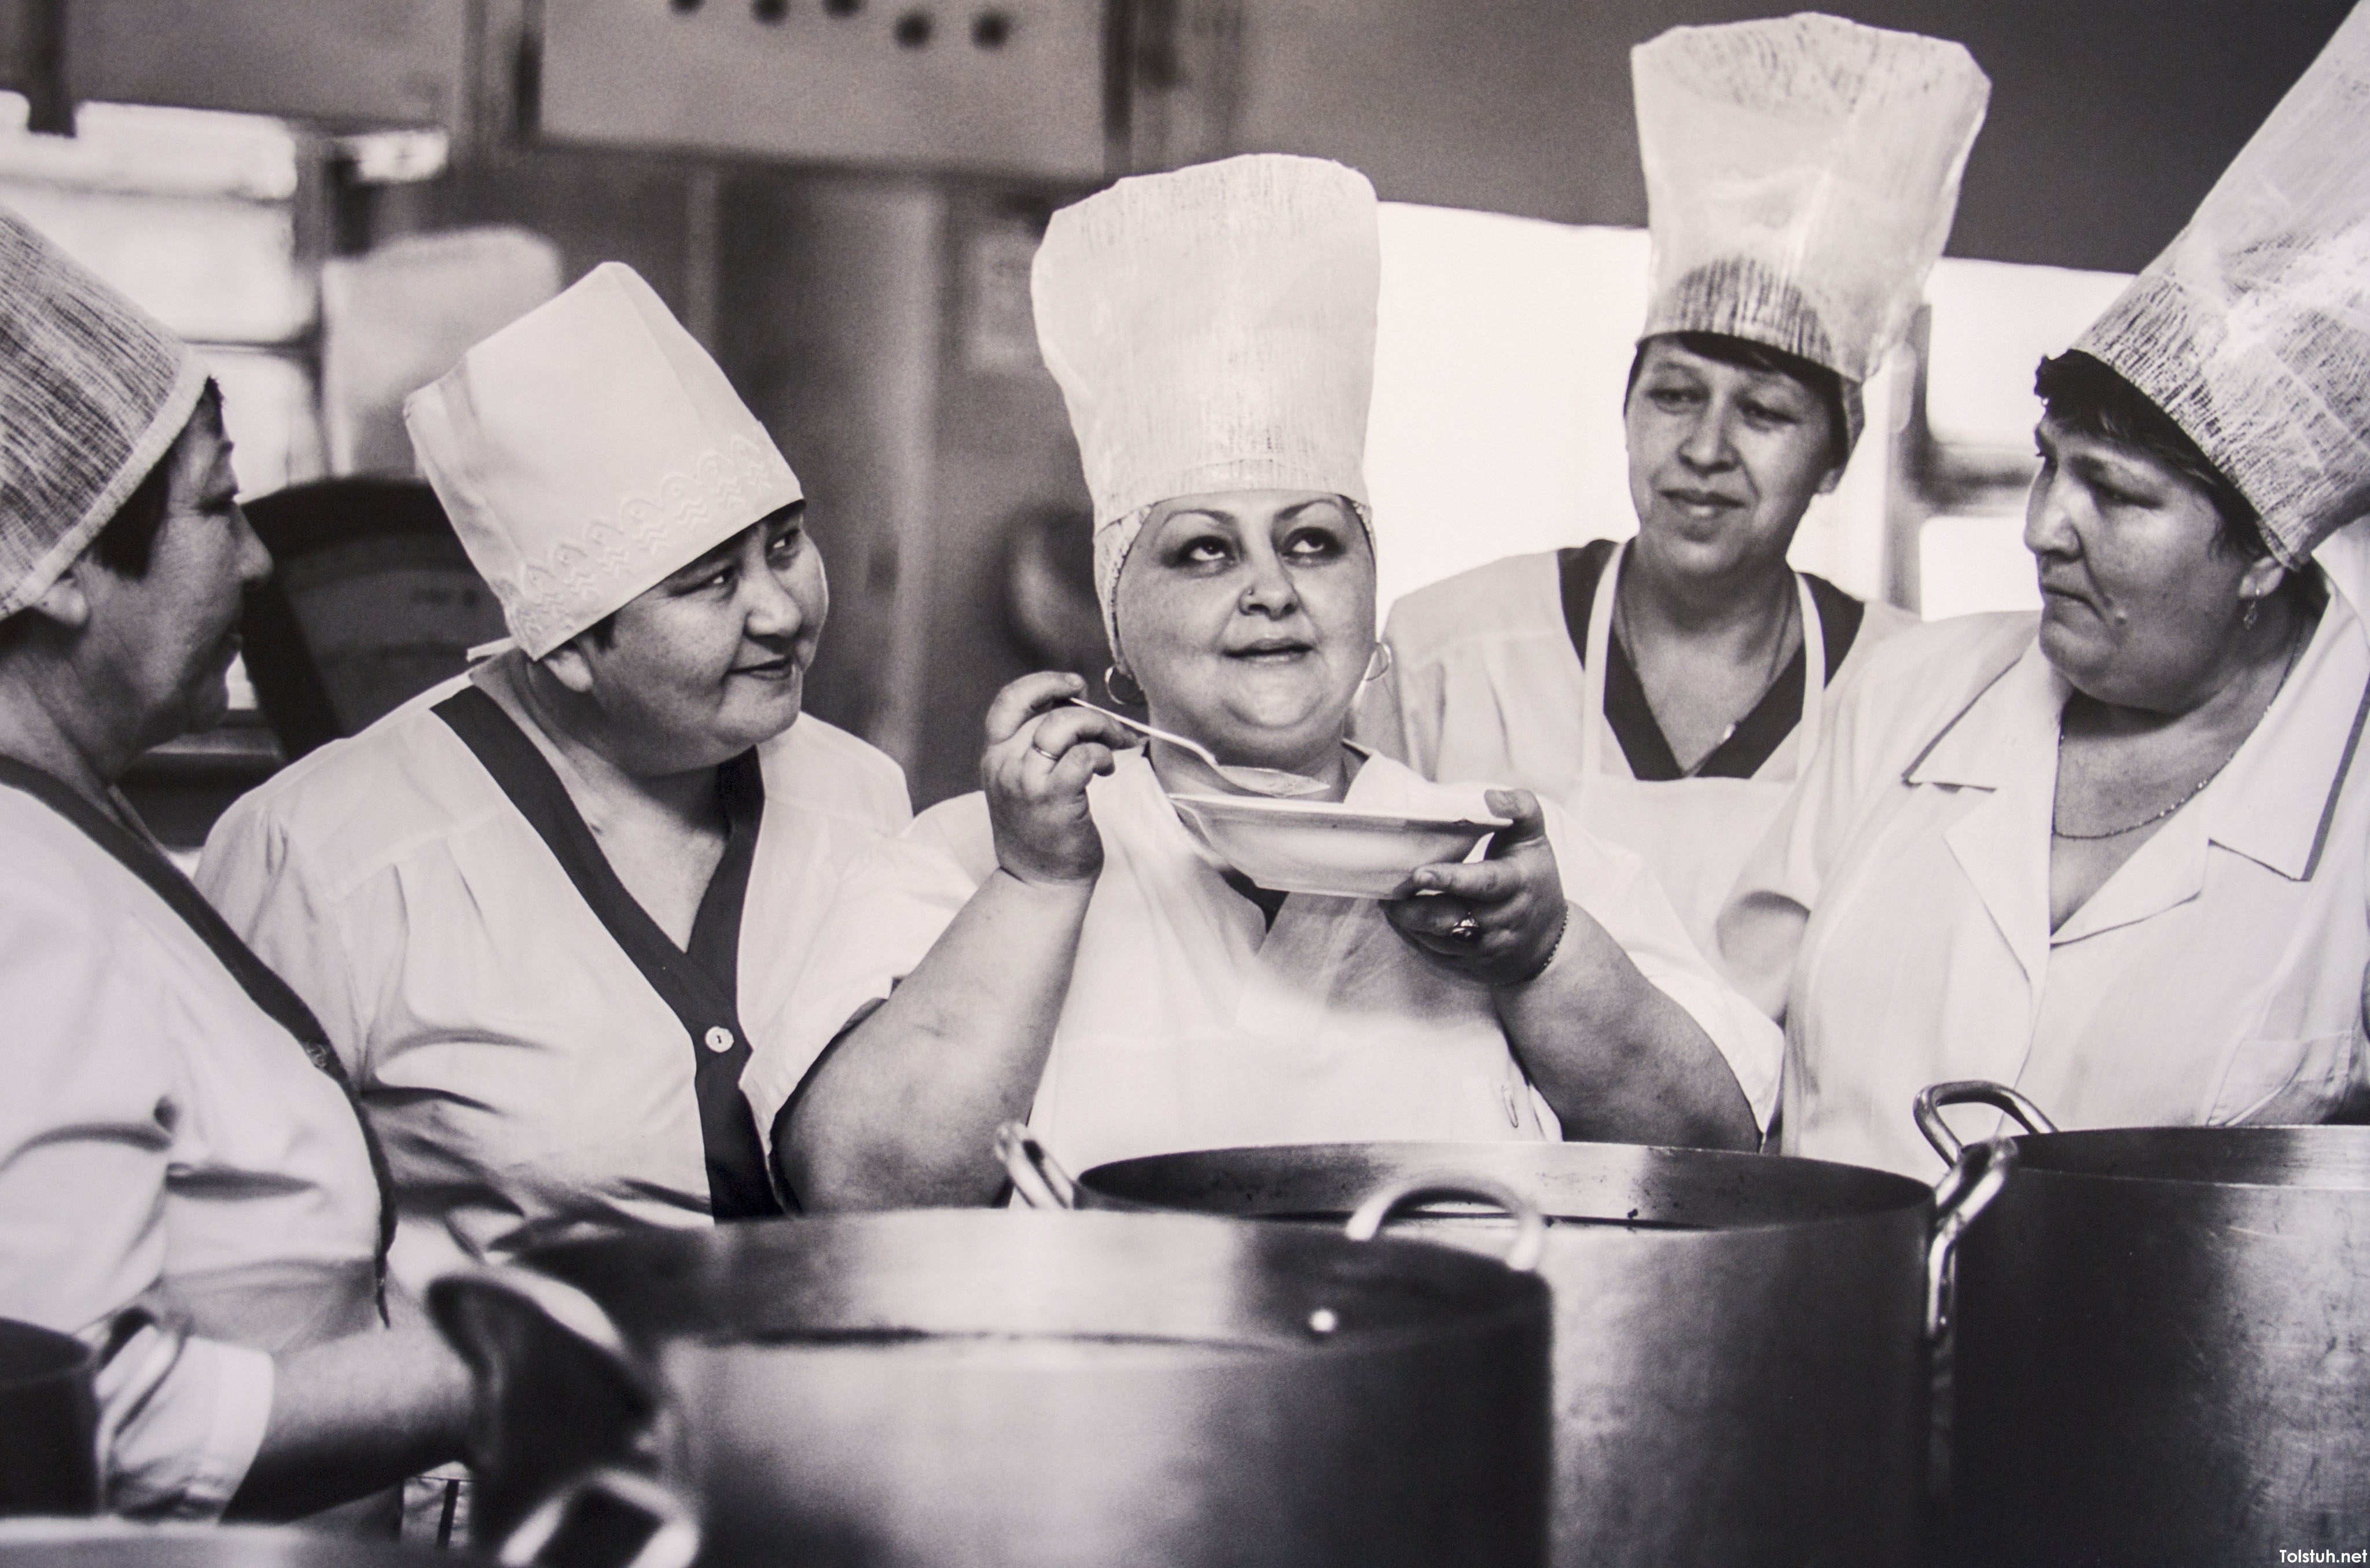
[[1741, 1366], [2163, 1344], [937, 1388], [49, 1422]]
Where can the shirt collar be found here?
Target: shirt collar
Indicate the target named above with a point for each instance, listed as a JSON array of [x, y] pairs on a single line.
[[2274, 801], [1994, 732], [2273, 804]]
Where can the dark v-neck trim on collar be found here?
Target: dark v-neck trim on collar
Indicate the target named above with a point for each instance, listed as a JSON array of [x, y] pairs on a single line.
[[271, 995], [699, 983], [1631, 718]]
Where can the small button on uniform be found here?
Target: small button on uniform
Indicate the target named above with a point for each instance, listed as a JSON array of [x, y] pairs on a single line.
[[719, 1038]]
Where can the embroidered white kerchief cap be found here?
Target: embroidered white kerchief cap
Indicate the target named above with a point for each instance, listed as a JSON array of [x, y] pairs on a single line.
[[1801, 174], [1212, 329], [589, 449], [92, 393], [2252, 330]]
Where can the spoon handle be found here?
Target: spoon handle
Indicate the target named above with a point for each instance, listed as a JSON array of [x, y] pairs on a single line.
[[1145, 729]]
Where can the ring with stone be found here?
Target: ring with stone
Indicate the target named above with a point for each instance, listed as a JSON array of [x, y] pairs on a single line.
[[1465, 929]]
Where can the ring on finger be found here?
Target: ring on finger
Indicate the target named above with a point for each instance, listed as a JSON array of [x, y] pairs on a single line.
[[1048, 756], [1464, 928]]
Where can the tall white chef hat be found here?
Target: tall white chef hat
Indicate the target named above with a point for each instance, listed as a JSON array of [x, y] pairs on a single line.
[[587, 450], [2252, 330], [93, 393], [1212, 329], [1801, 173]]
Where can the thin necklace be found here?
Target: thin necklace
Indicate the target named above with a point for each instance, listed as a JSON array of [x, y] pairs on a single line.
[[2195, 790]]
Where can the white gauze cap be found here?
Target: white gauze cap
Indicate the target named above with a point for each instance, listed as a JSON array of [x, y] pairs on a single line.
[[1801, 174], [2252, 330], [1212, 329], [92, 393], [589, 449]]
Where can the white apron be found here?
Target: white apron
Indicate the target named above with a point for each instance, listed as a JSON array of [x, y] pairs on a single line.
[[1189, 1024], [1693, 833]]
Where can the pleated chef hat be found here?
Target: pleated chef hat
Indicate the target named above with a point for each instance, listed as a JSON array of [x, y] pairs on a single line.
[[1212, 329], [589, 449], [93, 391], [1801, 173], [2252, 330]]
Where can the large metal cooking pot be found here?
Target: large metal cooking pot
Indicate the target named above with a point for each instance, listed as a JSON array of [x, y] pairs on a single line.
[[937, 1388], [2163, 1344], [1740, 1371], [49, 1422]]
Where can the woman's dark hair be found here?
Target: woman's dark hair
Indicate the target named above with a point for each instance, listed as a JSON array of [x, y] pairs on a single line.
[[1745, 354], [127, 542], [2082, 394]]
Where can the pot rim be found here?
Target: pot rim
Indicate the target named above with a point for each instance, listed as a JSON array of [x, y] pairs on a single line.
[[1877, 1194]]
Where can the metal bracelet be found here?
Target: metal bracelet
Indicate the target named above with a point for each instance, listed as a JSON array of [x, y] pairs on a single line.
[[1553, 948]]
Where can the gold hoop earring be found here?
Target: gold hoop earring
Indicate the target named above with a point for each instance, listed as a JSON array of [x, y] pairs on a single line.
[[1112, 676], [1373, 674]]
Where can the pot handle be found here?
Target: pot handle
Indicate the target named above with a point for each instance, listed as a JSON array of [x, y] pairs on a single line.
[[1972, 1090], [1964, 1191], [1037, 1176], [544, 1541], [558, 1394], [1530, 1224]]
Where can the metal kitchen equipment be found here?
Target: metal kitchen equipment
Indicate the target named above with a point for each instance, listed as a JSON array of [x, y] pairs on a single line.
[[49, 1423], [2163, 1344], [119, 1543], [982, 1387], [1741, 1362]]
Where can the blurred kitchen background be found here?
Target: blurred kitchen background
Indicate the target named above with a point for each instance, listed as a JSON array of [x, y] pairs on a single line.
[[840, 197]]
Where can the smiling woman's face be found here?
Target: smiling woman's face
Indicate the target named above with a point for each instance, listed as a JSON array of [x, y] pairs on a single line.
[[713, 660], [1248, 617], [1723, 460], [2139, 602]]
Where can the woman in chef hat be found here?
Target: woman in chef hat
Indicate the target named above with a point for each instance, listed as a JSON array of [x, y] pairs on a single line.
[[1800, 177], [1061, 947], [2114, 854]]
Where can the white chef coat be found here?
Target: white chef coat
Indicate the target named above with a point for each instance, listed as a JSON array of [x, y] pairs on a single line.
[[529, 1083], [1189, 1024], [161, 1138], [1485, 683], [1898, 915]]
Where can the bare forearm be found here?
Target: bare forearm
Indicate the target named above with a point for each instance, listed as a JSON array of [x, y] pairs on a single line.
[[1618, 1058], [352, 1416], [903, 1111]]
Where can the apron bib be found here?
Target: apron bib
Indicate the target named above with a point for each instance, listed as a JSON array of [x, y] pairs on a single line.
[[1694, 834], [1186, 1026]]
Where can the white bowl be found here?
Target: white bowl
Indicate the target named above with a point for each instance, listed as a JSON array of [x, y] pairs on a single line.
[[1343, 852]]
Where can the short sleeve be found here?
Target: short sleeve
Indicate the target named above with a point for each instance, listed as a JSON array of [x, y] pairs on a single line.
[[86, 1111], [1759, 932], [888, 910], [183, 1442], [1616, 890], [253, 873]]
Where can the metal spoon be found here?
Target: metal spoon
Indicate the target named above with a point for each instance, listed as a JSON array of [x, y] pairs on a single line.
[[1255, 781]]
